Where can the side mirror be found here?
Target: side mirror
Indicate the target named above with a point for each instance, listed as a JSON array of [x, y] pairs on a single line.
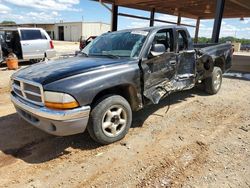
[[158, 49]]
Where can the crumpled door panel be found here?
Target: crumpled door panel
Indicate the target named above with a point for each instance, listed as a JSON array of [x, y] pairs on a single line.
[[183, 79]]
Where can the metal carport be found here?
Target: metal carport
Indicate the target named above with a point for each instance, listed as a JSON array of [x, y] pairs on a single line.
[[195, 9]]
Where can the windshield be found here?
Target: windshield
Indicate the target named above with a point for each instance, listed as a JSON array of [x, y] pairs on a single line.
[[117, 44]]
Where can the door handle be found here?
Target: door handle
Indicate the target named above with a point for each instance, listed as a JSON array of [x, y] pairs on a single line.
[[26, 44], [173, 62]]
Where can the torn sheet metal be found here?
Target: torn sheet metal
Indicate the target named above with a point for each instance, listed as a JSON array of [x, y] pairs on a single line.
[[204, 66], [184, 77], [156, 93]]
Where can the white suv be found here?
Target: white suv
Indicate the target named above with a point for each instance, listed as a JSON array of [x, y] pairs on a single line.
[[29, 44]]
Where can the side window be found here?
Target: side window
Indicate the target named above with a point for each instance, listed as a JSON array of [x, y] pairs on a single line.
[[165, 37], [31, 34], [182, 40]]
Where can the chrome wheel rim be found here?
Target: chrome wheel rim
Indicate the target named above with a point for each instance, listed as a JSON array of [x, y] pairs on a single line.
[[114, 121], [217, 81]]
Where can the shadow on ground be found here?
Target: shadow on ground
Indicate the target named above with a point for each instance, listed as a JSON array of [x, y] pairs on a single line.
[[20, 140], [174, 98], [238, 75]]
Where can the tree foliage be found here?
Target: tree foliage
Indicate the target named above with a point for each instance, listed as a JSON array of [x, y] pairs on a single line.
[[8, 22], [224, 39]]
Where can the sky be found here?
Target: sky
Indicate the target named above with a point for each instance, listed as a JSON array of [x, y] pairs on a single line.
[[50, 11]]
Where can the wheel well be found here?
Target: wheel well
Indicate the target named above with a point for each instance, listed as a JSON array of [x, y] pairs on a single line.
[[220, 62], [127, 91]]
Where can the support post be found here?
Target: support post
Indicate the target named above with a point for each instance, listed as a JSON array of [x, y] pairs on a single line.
[[220, 4], [197, 28], [152, 17], [114, 18], [179, 19]]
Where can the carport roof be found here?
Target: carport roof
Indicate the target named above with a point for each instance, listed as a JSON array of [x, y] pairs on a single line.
[[203, 9]]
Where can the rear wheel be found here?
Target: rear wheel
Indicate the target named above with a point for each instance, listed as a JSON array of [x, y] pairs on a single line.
[[110, 119], [213, 83]]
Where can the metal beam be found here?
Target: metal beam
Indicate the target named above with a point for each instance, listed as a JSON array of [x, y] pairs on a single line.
[[179, 19], [126, 2], [220, 4], [133, 16], [103, 4], [152, 17], [114, 19], [245, 4], [156, 20], [197, 28]]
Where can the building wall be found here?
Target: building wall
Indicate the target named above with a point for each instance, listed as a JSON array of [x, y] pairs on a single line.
[[72, 31], [94, 29]]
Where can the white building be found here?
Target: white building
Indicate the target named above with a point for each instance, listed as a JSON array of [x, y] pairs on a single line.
[[69, 31], [72, 31]]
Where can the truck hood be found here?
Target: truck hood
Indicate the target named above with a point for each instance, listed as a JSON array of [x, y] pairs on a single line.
[[47, 72]]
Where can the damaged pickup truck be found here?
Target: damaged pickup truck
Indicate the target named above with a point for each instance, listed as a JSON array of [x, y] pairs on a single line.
[[117, 73]]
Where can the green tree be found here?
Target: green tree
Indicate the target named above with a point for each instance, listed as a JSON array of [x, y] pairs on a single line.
[[224, 39], [8, 22]]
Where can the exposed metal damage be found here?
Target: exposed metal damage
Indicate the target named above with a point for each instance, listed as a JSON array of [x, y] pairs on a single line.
[[184, 78]]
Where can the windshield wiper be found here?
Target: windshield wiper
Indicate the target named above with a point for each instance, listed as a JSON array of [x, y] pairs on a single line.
[[83, 53], [107, 55], [112, 56]]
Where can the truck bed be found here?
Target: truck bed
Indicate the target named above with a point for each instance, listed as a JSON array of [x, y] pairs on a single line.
[[213, 49], [220, 53]]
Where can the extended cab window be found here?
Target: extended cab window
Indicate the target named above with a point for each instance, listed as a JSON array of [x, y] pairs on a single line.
[[182, 40], [31, 35], [165, 37]]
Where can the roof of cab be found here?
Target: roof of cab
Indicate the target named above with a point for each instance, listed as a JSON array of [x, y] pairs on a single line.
[[153, 28]]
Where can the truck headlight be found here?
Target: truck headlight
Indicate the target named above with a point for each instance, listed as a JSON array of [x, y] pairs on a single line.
[[56, 100]]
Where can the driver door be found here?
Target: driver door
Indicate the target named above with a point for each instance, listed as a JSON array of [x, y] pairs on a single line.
[[160, 70]]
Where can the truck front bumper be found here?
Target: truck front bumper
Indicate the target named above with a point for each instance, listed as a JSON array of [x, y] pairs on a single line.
[[55, 122]]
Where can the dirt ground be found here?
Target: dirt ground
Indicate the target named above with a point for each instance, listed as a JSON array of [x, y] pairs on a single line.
[[189, 140], [63, 48]]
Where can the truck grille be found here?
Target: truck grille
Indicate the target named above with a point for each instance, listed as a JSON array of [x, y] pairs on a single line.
[[29, 91]]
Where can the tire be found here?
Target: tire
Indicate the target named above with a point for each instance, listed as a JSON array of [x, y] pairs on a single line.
[[213, 83], [110, 119]]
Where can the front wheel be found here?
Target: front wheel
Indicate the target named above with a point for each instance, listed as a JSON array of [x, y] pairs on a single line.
[[213, 83], [110, 119]]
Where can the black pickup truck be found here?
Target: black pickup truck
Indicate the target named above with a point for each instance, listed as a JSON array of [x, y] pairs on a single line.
[[117, 73]]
